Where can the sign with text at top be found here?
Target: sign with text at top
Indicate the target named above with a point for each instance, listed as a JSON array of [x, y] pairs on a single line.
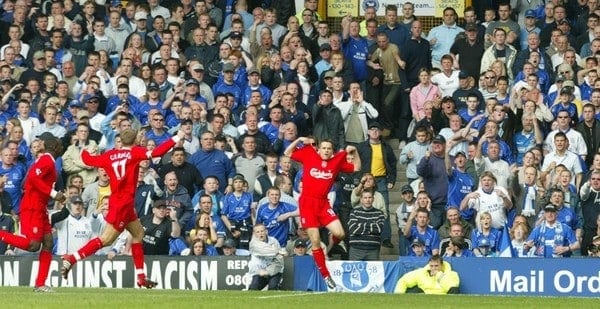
[[422, 7], [341, 8]]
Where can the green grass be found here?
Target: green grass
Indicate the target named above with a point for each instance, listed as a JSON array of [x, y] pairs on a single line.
[[67, 298]]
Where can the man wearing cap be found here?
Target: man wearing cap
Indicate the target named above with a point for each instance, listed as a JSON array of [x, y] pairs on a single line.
[[300, 247], [432, 168], [468, 51], [76, 229], [37, 71], [228, 85], [255, 84], [552, 239], [229, 247], [529, 26], [275, 215], [159, 228], [365, 229], [323, 64]]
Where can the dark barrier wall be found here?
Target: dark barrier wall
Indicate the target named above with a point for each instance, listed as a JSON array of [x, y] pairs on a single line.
[[492, 276], [578, 277], [222, 273]]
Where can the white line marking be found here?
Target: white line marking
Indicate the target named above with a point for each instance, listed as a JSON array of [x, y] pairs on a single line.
[[289, 295]]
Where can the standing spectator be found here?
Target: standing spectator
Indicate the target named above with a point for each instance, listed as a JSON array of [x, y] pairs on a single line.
[[561, 155], [505, 23], [365, 228], [249, 162], [327, 120], [266, 260], [500, 50], [387, 58], [275, 215], [355, 49], [590, 194], [414, 151], [422, 92], [76, 230], [589, 127], [211, 161], [159, 228], [356, 113], [448, 80], [187, 174], [379, 160], [552, 238], [432, 168], [442, 37], [416, 53], [489, 198], [397, 33], [236, 212], [467, 52]]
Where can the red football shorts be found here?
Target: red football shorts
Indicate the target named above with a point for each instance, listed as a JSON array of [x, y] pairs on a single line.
[[315, 212], [35, 224], [119, 216]]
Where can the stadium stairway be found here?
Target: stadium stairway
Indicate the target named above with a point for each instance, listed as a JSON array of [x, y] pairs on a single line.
[[395, 198]]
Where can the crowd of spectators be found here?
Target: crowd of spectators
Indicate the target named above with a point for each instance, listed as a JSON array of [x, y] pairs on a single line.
[[497, 115]]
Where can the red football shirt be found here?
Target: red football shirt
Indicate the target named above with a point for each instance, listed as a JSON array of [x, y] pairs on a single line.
[[122, 167], [318, 175], [38, 183]]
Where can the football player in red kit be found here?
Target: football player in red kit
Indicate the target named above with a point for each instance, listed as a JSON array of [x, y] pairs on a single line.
[[122, 166], [320, 168], [35, 222]]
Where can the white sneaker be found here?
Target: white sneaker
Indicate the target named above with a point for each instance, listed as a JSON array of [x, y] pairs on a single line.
[[401, 145], [331, 286], [43, 289]]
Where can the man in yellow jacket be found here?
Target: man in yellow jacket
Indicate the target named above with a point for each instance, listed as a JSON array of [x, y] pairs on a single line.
[[436, 277]]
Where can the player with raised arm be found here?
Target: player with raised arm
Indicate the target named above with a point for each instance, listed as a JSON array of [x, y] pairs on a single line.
[[122, 166], [320, 169], [35, 223]]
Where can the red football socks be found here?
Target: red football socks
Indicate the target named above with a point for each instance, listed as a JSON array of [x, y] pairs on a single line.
[[45, 259], [137, 252], [319, 257], [18, 241], [89, 249]]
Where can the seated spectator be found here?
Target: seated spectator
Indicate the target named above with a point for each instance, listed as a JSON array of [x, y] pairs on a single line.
[[485, 239], [266, 260], [436, 277], [458, 247], [552, 238]]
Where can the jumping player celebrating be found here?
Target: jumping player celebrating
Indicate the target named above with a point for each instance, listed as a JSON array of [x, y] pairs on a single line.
[[35, 222], [320, 169], [122, 166]]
